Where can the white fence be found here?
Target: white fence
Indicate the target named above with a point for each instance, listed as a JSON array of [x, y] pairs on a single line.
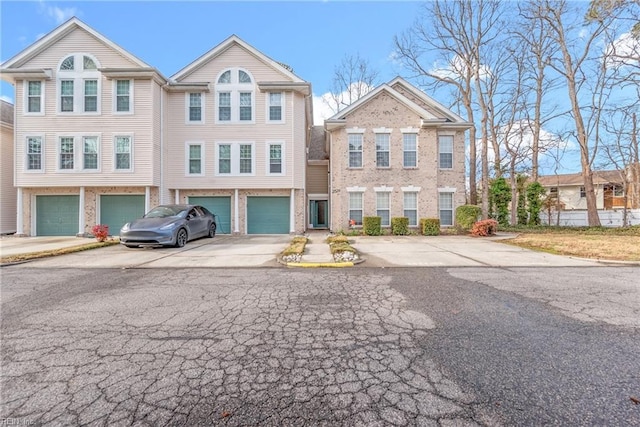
[[608, 218]]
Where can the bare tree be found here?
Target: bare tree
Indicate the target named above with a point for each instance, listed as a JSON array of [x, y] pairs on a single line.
[[353, 78], [459, 33]]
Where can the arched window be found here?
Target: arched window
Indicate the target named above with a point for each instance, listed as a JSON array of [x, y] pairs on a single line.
[[79, 84], [235, 97]]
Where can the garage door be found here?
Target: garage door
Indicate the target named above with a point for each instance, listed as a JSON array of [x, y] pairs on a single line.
[[267, 215], [221, 206], [117, 210], [57, 215]]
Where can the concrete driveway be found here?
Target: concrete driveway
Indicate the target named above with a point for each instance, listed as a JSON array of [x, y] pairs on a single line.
[[262, 251]]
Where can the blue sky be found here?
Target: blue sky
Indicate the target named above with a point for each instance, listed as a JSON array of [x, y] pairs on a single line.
[[310, 36]]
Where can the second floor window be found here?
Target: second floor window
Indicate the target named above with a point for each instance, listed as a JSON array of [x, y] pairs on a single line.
[[34, 97], [246, 158], [123, 96], [410, 150], [275, 158], [445, 149], [355, 150], [195, 107], [224, 158], [195, 159], [382, 150], [34, 153], [90, 153], [224, 106], [123, 153], [91, 96], [235, 159], [245, 106], [275, 106], [66, 96], [66, 153]]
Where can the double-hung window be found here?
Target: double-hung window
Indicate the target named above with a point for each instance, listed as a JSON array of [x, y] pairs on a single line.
[[123, 151], [411, 207], [246, 158], [195, 107], [235, 96], [90, 153], [66, 95], [410, 150], [382, 150], [235, 158], [34, 153], [66, 153], [194, 158], [34, 97], [355, 207], [383, 207], [445, 201], [78, 84], [90, 96], [355, 150], [275, 159], [224, 159], [123, 96], [275, 107], [445, 149]]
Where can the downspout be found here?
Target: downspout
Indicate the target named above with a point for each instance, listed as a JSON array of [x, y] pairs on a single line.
[[162, 189]]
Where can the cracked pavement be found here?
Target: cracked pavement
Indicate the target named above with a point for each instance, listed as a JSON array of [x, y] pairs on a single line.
[[221, 347]]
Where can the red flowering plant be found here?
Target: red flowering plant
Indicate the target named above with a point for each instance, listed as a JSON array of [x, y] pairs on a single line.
[[100, 232]]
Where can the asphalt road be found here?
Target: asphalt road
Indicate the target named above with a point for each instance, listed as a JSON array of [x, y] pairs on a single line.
[[359, 346]]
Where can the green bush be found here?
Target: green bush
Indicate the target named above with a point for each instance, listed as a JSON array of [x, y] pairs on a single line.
[[430, 226], [400, 226], [467, 215], [372, 225]]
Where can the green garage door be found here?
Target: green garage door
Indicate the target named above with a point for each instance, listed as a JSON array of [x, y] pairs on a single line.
[[221, 206], [268, 215], [57, 215], [117, 210]]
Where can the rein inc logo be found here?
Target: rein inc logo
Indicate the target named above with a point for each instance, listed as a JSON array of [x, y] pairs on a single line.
[[16, 422]]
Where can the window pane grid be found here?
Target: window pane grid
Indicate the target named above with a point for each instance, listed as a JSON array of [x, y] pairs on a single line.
[[90, 153], [275, 159], [446, 208], [66, 98], [224, 158], [355, 150], [224, 106], [90, 95], [245, 106], [245, 158], [34, 150], [409, 147], [445, 143], [66, 153], [195, 159], [275, 106], [34, 97], [122, 95], [355, 207], [382, 150], [123, 152], [195, 107], [411, 208]]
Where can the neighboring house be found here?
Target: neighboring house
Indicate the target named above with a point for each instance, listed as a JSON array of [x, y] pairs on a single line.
[[318, 179], [101, 137], [568, 190], [7, 190], [88, 133], [396, 152], [237, 127]]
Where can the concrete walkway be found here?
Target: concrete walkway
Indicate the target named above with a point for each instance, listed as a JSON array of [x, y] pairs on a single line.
[[317, 249]]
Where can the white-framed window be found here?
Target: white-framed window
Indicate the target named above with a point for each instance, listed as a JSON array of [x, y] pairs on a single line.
[[410, 150], [195, 107], [445, 151], [355, 150], [90, 153], [123, 153], [79, 84], [383, 207], [445, 205], [275, 158], [66, 153], [235, 158], [194, 154], [356, 206], [583, 192], [411, 207], [34, 97], [382, 150], [123, 96], [275, 107], [35, 149], [235, 91]]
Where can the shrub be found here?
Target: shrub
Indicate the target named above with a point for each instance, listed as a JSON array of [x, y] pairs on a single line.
[[535, 192], [400, 226], [485, 227], [430, 226], [372, 225], [467, 215], [499, 198], [100, 232]]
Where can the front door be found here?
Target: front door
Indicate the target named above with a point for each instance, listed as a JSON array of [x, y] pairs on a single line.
[[319, 213]]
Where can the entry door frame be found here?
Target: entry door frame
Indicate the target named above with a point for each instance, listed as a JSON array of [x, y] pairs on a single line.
[[315, 205]]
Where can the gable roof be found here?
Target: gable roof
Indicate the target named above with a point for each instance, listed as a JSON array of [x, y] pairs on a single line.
[[450, 119], [57, 34], [225, 45], [575, 179]]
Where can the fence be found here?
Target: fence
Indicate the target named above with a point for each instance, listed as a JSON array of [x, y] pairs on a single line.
[[608, 218]]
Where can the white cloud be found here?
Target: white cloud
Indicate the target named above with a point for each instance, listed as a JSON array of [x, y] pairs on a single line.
[[321, 111], [59, 14], [455, 68], [625, 50], [322, 104]]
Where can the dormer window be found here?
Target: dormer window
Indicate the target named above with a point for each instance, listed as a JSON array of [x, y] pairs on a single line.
[[79, 84], [235, 97]]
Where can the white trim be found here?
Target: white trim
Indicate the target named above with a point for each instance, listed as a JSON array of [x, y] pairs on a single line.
[[382, 130], [59, 137], [409, 130], [187, 104], [78, 76], [98, 136], [267, 103], [411, 189], [235, 88], [114, 95], [356, 189], [383, 189], [25, 96], [131, 151], [355, 129], [187, 159], [268, 145], [26, 153], [446, 189]]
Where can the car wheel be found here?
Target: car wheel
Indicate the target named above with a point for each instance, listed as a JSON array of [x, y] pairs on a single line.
[[212, 230], [181, 238]]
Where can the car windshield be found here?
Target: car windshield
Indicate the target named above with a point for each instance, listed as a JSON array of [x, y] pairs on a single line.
[[164, 212]]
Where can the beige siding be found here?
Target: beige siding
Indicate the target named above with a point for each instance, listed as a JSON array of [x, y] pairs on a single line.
[[386, 111], [317, 179], [7, 190]]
